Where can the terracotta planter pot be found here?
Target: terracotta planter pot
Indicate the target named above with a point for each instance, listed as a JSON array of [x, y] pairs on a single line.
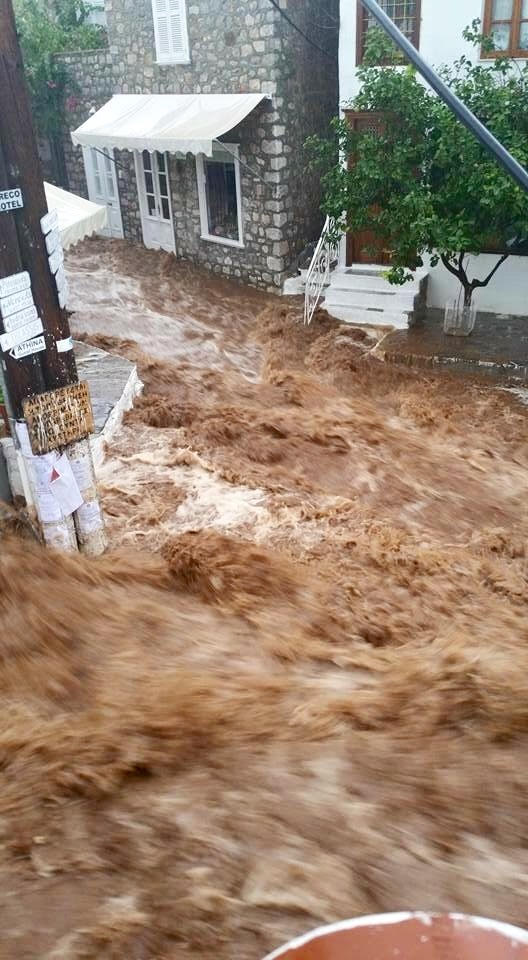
[[410, 936]]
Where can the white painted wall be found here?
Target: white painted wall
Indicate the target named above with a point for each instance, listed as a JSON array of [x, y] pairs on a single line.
[[507, 292], [441, 41]]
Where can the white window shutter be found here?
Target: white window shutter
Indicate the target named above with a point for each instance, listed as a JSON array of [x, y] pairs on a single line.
[[170, 30]]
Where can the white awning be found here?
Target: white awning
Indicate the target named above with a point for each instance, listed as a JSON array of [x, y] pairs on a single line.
[[179, 123], [77, 217]]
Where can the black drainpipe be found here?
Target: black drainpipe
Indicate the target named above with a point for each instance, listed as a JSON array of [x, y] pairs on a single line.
[[492, 145]]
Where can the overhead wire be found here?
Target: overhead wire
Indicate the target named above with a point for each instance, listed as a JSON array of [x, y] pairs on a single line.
[[308, 39]]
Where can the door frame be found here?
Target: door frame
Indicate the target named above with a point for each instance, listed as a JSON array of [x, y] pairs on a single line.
[[92, 192], [355, 241], [142, 195]]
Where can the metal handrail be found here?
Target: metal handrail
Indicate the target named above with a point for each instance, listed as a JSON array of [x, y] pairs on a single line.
[[326, 253]]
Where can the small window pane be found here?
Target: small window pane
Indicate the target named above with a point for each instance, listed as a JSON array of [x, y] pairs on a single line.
[[147, 160], [502, 10], [404, 13], [161, 162], [109, 185], [98, 185], [523, 36], [107, 161], [149, 183], [163, 184], [221, 196], [151, 205], [500, 33], [165, 208], [524, 8]]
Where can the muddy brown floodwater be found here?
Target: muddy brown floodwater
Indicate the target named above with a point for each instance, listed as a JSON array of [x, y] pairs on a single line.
[[295, 690]]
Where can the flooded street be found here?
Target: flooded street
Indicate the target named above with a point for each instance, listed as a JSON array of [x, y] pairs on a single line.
[[294, 690]]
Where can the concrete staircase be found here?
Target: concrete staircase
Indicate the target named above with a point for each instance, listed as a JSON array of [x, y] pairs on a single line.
[[360, 294]]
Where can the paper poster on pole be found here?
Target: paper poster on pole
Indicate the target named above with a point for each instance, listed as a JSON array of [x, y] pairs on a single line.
[[90, 517], [48, 508], [64, 487], [22, 435], [42, 467], [83, 471]]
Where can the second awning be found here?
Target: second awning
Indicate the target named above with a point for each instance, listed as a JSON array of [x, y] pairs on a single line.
[[179, 123]]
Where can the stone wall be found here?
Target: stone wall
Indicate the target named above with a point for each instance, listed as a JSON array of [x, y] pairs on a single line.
[[235, 46]]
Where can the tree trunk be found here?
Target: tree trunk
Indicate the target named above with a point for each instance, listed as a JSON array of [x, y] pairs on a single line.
[[468, 294]]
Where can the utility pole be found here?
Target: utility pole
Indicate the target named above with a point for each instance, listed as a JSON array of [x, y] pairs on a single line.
[[36, 348]]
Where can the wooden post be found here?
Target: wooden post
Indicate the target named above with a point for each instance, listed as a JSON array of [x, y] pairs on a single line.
[[22, 169], [23, 250]]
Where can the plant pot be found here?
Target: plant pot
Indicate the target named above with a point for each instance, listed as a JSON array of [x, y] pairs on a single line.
[[459, 320], [410, 936]]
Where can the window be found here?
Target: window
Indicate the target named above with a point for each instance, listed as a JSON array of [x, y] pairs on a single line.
[[506, 21], [219, 196], [96, 13], [156, 185], [102, 173], [170, 31], [406, 16]]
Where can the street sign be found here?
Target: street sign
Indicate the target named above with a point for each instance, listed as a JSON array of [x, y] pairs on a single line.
[[49, 222], [14, 283], [56, 260], [29, 330], [53, 241], [63, 296], [60, 278], [11, 200], [27, 348], [17, 301], [17, 320]]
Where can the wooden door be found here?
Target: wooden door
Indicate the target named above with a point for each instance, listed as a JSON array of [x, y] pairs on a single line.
[[364, 246]]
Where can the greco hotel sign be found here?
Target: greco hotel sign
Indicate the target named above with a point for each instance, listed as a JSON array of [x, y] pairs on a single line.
[[11, 200]]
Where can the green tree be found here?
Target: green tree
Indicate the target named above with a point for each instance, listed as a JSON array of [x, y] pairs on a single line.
[[47, 27], [423, 182]]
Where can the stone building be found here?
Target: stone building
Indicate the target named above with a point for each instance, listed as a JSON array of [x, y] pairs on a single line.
[[240, 199]]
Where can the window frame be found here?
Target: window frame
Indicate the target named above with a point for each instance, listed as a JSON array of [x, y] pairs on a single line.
[[513, 51], [184, 57], [232, 150], [360, 33]]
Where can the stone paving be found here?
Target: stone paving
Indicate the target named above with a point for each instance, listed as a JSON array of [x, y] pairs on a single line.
[[497, 347]]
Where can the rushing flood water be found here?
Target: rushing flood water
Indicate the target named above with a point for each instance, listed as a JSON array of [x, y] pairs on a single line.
[[294, 691]]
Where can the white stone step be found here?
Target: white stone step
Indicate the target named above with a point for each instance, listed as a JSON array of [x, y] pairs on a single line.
[[376, 270], [371, 283], [366, 300], [398, 320]]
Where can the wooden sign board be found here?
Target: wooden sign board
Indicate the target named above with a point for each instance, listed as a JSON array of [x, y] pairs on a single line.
[[58, 417]]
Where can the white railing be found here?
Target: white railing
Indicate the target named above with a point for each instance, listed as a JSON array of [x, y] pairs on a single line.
[[326, 253]]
